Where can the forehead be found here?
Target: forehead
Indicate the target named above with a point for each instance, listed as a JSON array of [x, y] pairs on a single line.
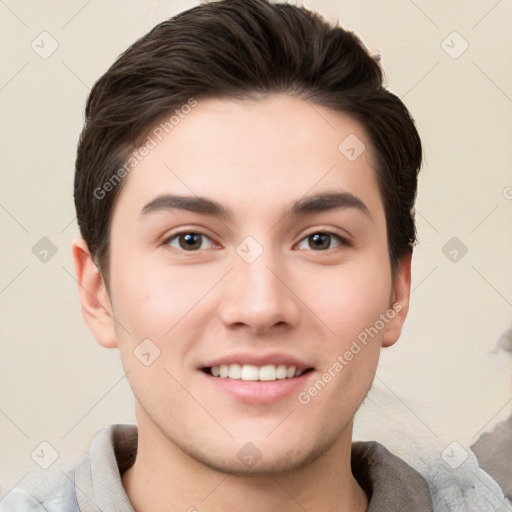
[[253, 154]]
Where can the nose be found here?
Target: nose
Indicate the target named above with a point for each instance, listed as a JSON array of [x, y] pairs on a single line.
[[259, 295]]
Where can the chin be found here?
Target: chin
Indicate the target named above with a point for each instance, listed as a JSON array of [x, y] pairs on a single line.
[[250, 461], [258, 456]]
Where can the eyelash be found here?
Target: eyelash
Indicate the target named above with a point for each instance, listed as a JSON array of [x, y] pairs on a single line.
[[341, 239]]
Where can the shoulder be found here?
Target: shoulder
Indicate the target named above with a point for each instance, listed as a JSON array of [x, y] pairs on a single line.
[[456, 481], [389, 481], [424, 477], [92, 479], [42, 491]]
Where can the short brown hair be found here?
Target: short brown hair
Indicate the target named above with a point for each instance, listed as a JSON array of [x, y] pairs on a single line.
[[238, 48]]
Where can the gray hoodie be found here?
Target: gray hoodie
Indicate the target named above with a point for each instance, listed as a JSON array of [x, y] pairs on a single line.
[[94, 484]]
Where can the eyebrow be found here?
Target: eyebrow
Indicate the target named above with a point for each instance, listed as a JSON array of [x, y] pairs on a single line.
[[306, 205]]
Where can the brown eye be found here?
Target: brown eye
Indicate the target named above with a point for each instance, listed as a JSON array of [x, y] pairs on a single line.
[[321, 241], [190, 241]]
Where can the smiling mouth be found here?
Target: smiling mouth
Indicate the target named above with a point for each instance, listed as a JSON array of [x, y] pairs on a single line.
[[249, 372]]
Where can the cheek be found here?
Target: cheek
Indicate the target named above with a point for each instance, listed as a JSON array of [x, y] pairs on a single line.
[[350, 302], [348, 299], [153, 307], [167, 305], [152, 299]]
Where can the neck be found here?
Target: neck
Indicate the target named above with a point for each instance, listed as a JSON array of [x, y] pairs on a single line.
[[166, 479]]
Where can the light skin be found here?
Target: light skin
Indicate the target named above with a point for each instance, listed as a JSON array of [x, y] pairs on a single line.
[[256, 158]]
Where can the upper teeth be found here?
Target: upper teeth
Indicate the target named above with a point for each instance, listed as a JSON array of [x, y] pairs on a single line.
[[251, 372]]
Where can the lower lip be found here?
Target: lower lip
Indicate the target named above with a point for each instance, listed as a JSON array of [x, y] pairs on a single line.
[[257, 391]]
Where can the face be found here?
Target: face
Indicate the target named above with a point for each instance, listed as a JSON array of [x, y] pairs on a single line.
[[247, 244]]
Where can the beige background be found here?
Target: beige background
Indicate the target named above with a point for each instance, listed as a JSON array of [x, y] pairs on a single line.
[[440, 382]]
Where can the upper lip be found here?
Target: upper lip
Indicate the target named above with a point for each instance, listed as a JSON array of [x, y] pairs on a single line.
[[258, 360]]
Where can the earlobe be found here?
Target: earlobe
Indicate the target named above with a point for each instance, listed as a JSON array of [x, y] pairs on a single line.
[[96, 307], [399, 302]]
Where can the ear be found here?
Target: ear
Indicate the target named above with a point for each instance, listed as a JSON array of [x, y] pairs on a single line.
[[399, 301], [96, 306]]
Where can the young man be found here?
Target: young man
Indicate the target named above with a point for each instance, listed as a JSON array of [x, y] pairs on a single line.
[[244, 190]]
